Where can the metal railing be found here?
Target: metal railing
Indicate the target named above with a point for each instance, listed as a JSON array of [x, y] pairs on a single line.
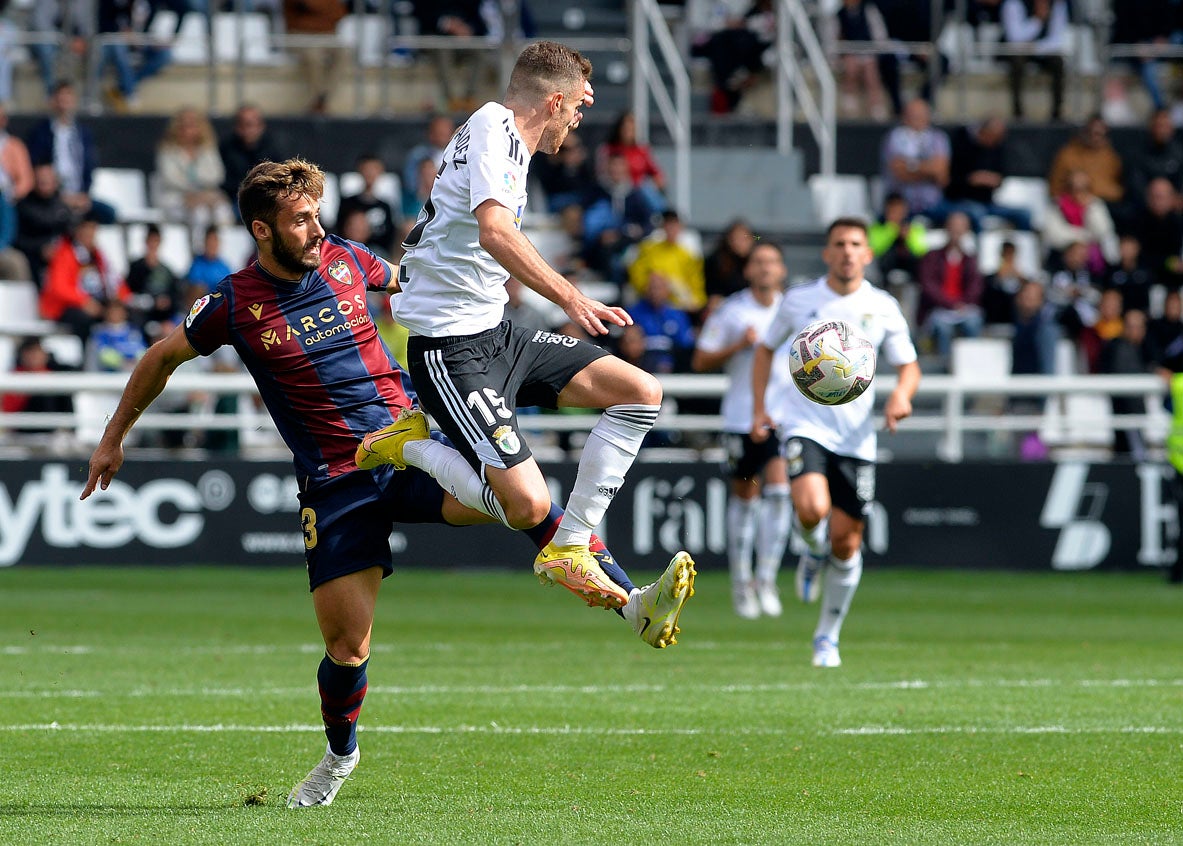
[[793, 26], [949, 426]]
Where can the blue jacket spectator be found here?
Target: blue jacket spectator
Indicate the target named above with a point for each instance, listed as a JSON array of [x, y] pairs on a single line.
[[70, 147], [669, 334]]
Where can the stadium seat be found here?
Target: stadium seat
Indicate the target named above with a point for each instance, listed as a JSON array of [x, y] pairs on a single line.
[[238, 247], [1078, 421], [387, 188], [980, 359], [554, 245], [1028, 251], [1025, 192], [190, 45], [255, 35], [20, 309], [176, 250], [66, 349], [7, 353], [367, 35], [839, 196], [126, 190], [112, 241], [330, 202], [92, 409]]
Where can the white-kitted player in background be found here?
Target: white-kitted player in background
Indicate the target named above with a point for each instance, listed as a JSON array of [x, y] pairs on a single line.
[[755, 523], [830, 450]]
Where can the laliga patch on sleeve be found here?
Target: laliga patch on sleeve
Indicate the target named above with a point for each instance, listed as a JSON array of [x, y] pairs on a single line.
[[196, 310]]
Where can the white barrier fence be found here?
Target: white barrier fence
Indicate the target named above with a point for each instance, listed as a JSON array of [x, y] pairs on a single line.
[[1069, 411]]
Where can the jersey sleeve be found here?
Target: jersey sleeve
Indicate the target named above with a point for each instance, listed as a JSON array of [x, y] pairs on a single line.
[[716, 334], [897, 346], [781, 327], [376, 271], [494, 174], [207, 326]]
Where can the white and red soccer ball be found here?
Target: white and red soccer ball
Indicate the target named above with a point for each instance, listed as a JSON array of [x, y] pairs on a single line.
[[832, 362]]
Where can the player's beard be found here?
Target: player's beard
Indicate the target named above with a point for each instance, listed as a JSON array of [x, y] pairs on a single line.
[[295, 259]]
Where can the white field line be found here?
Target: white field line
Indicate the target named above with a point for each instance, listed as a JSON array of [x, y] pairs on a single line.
[[495, 729], [591, 689]]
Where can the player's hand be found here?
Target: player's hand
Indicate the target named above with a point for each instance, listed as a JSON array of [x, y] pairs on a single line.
[[104, 464], [762, 427], [589, 98], [591, 315], [750, 336], [896, 409]]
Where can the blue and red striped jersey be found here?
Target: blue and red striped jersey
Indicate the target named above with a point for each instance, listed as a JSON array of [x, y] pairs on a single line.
[[323, 372]]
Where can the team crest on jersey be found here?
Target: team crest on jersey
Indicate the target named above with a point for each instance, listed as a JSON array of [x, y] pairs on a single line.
[[507, 440], [340, 272]]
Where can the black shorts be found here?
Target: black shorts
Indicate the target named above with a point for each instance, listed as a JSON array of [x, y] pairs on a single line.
[[747, 459], [851, 480], [473, 385], [347, 520]]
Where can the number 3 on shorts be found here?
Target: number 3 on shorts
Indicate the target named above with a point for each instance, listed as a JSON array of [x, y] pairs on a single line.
[[308, 521]]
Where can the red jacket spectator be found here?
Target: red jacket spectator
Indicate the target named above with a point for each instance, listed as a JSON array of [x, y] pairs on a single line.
[[79, 277]]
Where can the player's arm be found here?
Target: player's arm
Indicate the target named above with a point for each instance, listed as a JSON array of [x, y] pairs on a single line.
[[899, 402], [761, 372], [499, 236], [392, 287], [143, 386]]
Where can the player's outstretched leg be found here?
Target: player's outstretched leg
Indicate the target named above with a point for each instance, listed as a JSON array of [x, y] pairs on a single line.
[[320, 786], [654, 609], [385, 446]]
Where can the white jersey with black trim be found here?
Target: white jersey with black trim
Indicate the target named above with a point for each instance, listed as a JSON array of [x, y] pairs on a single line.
[[450, 284], [843, 429], [738, 313]]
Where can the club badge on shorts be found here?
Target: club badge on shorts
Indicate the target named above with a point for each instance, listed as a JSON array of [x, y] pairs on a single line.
[[507, 440]]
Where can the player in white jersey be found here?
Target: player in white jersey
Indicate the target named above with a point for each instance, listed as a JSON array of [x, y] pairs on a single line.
[[831, 449], [758, 517], [471, 369]]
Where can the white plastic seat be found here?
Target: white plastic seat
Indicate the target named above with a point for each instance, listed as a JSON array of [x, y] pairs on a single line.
[[66, 349], [980, 359], [176, 249], [367, 35], [20, 309], [388, 187], [92, 409], [255, 33], [126, 190], [1025, 192], [112, 243], [330, 201], [237, 246], [190, 46], [841, 195], [1078, 420], [1028, 251]]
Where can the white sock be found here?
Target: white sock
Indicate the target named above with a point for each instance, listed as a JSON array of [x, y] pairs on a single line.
[[741, 538], [841, 581], [610, 449], [817, 538], [455, 475], [773, 534]]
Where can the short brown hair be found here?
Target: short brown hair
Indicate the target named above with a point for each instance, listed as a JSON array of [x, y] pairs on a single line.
[[546, 66], [846, 223], [269, 182]]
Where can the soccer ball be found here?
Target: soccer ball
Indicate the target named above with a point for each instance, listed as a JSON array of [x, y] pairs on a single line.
[[832, 362]]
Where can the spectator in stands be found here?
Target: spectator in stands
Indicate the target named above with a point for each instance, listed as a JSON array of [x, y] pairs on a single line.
[[79, 281], [132, 63], [208, 267], [32, 357], [1146, 22], [916, 159], [42, 218], [1091, 152], [897, 242], [16, 168], [1159, 229], [1161, 157], [190, 173], [13, 264], [462, 19], [951, 288], [377, 210], [440, 129], [1129, 276], [975, 173], [247, 144], [620, 216], [420, 189], [155, 288], [643, 169], [70, 147], [669, 333], [319, 62], [860, 22], [1163, 332], [668, 253], [1033, 345], [1076, 293], [723, 269], [1128, 353], [115, 345], [1002, 286], [735, 52], [1079, 215], [909, 21], [567, 178], [1040, 28]]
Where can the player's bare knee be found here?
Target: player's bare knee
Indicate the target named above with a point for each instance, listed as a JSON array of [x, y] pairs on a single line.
[[347, 650], [843, 549], [811, 513], [527, 511], [647, 389]]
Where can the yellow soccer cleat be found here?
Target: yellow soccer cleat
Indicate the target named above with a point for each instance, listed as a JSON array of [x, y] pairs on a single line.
[[654, 609], [386, 445], [576, 569]]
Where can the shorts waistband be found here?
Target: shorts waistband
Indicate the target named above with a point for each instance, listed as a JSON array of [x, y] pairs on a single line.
[[422, 342]]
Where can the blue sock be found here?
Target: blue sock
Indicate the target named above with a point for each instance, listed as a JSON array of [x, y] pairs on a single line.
[[342, 689], [544, 531]]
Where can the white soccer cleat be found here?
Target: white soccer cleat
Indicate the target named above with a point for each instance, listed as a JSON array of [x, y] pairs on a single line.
[[654, 609], [809, 576], [768, 598], [320, 786], [743, 599], [825, 653]]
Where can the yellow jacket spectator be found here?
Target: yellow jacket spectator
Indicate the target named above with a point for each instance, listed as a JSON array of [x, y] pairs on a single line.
[[667, 254]]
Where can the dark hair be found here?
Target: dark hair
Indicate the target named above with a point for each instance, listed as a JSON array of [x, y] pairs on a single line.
[[762, 244], [545, 66], [368, 157], [846, 223], [269, 182], [59, 85], [152, 229], [669, 214], [894, 197], [212, 229]]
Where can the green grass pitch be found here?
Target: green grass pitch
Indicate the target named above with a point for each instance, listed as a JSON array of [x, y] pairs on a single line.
[[178, 706]]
